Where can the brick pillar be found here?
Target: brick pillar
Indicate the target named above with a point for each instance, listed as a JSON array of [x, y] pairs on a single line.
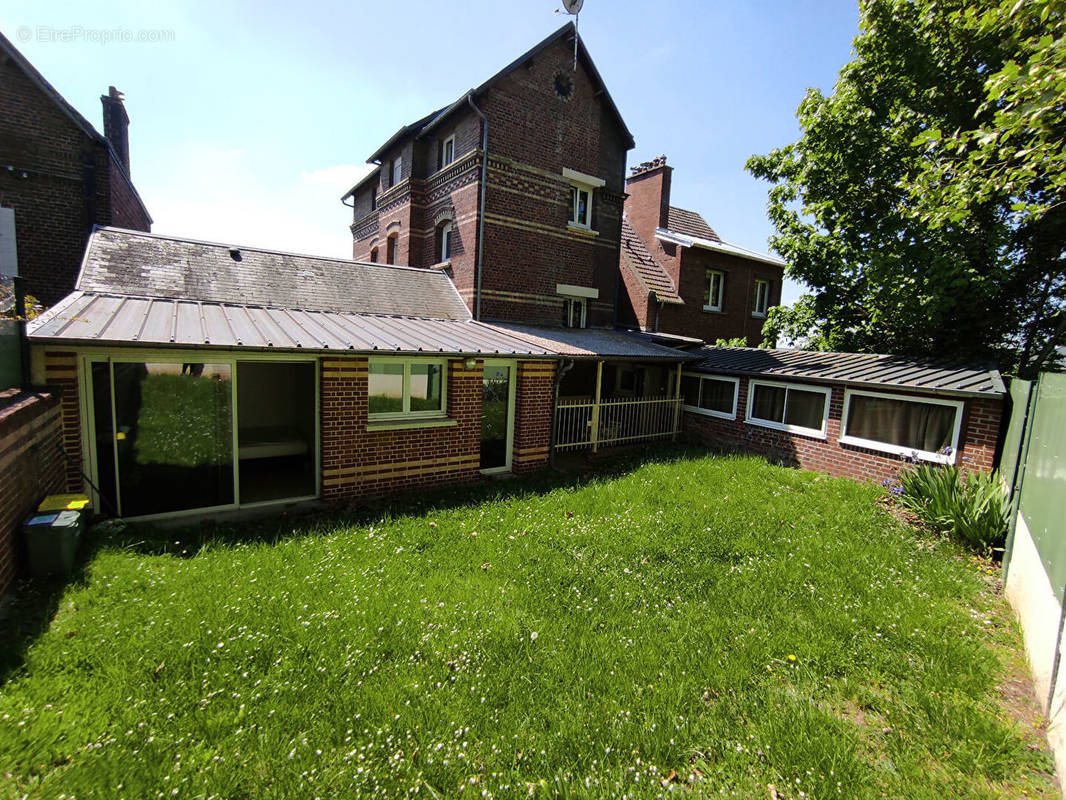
[[343, 399], [534, 414], [61, 371]]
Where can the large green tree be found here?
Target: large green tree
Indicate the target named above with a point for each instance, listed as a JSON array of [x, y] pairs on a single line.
[[924, 202]]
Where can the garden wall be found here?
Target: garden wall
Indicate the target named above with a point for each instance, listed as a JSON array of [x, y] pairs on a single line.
[[977, 439], [31, 466]]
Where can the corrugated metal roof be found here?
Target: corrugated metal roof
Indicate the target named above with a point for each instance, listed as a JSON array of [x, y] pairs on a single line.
[[854, 369], [593, 342], [648, 271], [122, 262], [90, 318]]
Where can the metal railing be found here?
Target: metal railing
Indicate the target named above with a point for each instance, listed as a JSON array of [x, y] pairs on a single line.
[[585, 423]]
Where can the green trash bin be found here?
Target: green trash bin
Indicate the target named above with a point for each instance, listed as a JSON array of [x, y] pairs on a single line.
[[52, 542]]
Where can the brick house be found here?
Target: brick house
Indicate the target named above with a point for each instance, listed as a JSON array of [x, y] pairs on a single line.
[[854, 415], [198, 376], [680, 276], [59, 175], [515, 190]]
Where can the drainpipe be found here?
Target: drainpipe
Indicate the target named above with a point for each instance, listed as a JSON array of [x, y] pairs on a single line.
[[567, 365], [480, 266], [19, 284]]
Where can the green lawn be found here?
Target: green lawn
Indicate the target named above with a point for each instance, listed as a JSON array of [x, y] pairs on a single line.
[[700, 626]]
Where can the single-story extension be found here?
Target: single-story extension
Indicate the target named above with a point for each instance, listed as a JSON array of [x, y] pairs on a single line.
[[201, 376], [849, 414]]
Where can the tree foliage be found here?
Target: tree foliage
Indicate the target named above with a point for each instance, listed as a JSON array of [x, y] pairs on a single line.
[[923, 203]]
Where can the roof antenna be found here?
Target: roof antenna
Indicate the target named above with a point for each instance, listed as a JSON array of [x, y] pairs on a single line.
[[573, 8]]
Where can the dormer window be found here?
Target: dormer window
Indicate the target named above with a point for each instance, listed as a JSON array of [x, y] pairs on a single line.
[[447, 152], [396, 170], [582, 189]]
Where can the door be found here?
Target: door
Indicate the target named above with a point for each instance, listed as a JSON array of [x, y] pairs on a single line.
[[497, 416]]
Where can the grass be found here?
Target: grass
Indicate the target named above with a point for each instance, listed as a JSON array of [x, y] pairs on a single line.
[[699, 626]]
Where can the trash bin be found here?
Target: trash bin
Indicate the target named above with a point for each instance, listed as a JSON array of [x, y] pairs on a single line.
[[52, 542]]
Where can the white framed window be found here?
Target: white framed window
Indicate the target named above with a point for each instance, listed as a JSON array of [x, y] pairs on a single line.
[[581, 206], [396, 170], [925, 427], [447, 152], [793, 407], [575, 312], [445, 241], [713, 395], [406, 388], [762, 297], [715, 291]]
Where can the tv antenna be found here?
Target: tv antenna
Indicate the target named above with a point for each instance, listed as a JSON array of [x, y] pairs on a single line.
[[573, 8]]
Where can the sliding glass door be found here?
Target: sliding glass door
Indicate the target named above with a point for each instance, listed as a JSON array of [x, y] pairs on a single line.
[[173, 436]]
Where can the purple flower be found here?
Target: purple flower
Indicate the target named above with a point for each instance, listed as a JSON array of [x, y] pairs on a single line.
[[946, 450], [897, 491]]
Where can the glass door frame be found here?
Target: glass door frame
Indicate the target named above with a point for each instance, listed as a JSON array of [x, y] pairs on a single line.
[[86, 406], [511, 397]]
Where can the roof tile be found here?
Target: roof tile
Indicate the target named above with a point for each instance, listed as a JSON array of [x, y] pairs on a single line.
[[636, 256], [690, 223]]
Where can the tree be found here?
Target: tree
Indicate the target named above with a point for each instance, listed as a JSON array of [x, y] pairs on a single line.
[[923, 203]]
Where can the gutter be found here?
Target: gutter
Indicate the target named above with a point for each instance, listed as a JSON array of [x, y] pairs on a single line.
[[479, 267]]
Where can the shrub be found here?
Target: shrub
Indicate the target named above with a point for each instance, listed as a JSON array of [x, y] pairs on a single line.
[[971, 510]]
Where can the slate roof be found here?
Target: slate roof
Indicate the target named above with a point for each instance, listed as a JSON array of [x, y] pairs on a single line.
[[651, 273], [593, 342], [91, 318], [689, 223], [852, 369], [122, 262]]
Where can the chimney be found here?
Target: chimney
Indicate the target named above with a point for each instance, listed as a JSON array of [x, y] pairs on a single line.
[[648, 204], [116, 124]]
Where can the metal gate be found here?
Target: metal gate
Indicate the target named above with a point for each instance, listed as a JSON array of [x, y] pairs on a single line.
[[587, 424]]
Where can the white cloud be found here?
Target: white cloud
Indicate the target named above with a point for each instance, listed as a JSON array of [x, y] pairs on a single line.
[[228, 195]]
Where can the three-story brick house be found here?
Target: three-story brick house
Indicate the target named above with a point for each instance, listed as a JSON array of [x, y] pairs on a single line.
[[515, 189]]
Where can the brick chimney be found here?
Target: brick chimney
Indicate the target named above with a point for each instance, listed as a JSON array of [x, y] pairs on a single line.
[[648, 204], [116, 124]]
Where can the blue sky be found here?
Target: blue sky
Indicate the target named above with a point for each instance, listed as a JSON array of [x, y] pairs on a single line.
[[249, 122]]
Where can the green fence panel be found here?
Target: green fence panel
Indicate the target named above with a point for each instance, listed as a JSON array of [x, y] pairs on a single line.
[[1043, 494], [1015, 439], [10, 355]]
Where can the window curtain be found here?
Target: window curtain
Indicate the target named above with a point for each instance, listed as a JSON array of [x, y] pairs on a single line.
[[918, 426]]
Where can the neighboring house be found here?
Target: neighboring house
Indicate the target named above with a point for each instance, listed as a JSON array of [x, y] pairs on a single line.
[[199, 375], [681, 277], [515, 189], [855, 415], [59, 175]]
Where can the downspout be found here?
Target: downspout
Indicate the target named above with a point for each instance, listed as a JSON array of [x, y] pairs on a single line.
[[479, 266], [567, 365]]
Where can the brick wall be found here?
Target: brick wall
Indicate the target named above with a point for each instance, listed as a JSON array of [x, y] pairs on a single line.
[[60, 184], [977, 440], [357, 462], [534, 414], [61, 371], [30, 466]]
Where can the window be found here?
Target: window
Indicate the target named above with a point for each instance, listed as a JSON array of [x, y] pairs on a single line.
[[396, 170], [575, 312], [373, 198], [789, 407], [390, 249], [762, 298], [374, 255], [581, 206], [712, 298], [447, 152], [902, 425], [444, 250], [715, 396], [398, 388]]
